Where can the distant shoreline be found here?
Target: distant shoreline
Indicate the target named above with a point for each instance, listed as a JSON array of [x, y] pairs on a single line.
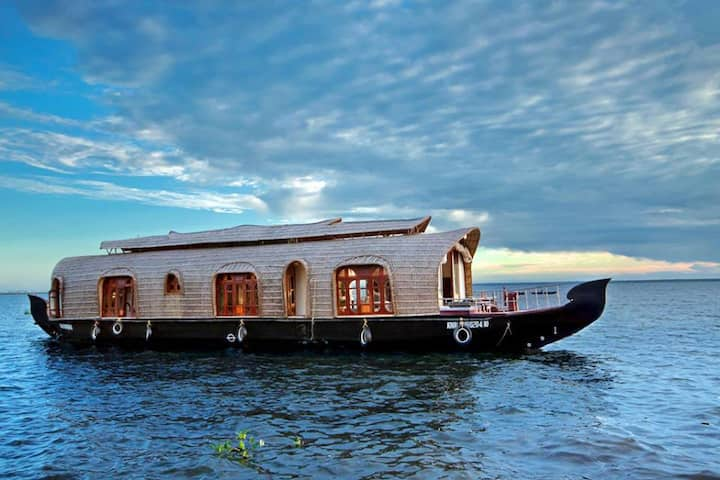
[[22, 293]]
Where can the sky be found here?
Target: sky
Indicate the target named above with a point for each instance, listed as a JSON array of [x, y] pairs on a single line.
[[583, 138]]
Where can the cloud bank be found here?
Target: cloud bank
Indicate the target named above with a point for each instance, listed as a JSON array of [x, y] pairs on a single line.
[[562, 127]]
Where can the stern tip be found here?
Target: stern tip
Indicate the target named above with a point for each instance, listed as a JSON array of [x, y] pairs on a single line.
[[594, 289]]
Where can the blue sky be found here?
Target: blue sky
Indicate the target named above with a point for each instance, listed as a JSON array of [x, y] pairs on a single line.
[[583, 138]]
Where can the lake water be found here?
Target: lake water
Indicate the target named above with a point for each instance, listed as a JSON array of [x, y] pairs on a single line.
[[635, 395]]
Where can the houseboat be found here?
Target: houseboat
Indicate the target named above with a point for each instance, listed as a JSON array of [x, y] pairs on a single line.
[[369, 284]]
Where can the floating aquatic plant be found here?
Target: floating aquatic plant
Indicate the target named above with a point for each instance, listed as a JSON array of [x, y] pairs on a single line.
[[241, 451]]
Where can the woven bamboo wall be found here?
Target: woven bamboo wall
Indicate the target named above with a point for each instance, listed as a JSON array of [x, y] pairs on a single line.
[[413, 262]]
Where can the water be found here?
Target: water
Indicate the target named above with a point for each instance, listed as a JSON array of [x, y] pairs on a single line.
[[636, 395]]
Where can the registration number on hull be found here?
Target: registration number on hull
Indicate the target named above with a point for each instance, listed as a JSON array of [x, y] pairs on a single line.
[[470, 324]]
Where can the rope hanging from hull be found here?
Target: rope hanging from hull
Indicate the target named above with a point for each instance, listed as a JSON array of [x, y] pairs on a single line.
[[507, 330]]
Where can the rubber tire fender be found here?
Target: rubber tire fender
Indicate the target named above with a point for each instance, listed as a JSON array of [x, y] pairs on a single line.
[[465, 332]]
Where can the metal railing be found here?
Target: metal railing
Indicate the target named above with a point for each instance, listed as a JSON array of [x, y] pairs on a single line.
[[506, 300]]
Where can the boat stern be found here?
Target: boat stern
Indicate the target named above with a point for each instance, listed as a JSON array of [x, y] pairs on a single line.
[[38, 310], [532, 330], [587, 301]]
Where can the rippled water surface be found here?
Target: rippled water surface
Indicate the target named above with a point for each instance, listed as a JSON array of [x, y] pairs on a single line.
[[636, 395]]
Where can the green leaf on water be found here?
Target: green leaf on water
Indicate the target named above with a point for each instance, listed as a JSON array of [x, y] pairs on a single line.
[[243, 452]]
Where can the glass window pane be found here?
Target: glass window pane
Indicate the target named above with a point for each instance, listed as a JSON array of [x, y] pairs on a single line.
[[388, 296], [342, 299], [352, 290], [376, 296], [364, 297]]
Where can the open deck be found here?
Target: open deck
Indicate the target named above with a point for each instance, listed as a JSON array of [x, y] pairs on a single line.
[[504, 301]]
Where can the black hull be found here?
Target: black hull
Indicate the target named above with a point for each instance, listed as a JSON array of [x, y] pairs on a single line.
[[507, 332]]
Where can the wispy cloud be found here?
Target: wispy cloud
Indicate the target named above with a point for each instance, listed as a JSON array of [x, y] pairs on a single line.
[[61, 152], [201, 200], [24, 114], [12, 79]]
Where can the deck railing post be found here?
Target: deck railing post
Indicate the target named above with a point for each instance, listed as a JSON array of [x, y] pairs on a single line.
[[485, 300]]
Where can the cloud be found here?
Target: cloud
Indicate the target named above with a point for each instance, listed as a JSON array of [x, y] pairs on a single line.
[[235, 203], [465, 217], [306, 185], [556, 127], [24, 114], [503, 263], [11, 79], [61, 152]]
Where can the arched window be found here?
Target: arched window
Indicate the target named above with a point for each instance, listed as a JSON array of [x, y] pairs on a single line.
[[172, 284], [236, 294], [55, 298], [363, 290], [118, 297]]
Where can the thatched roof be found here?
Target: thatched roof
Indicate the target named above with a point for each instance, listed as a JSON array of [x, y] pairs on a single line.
[[412, 262], [265, 234]]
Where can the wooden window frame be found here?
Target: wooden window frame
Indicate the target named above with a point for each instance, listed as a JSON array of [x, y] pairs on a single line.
[[114, 284], [55, 304], [290, 284], [243, 285], [177, 284], [371, 285]]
